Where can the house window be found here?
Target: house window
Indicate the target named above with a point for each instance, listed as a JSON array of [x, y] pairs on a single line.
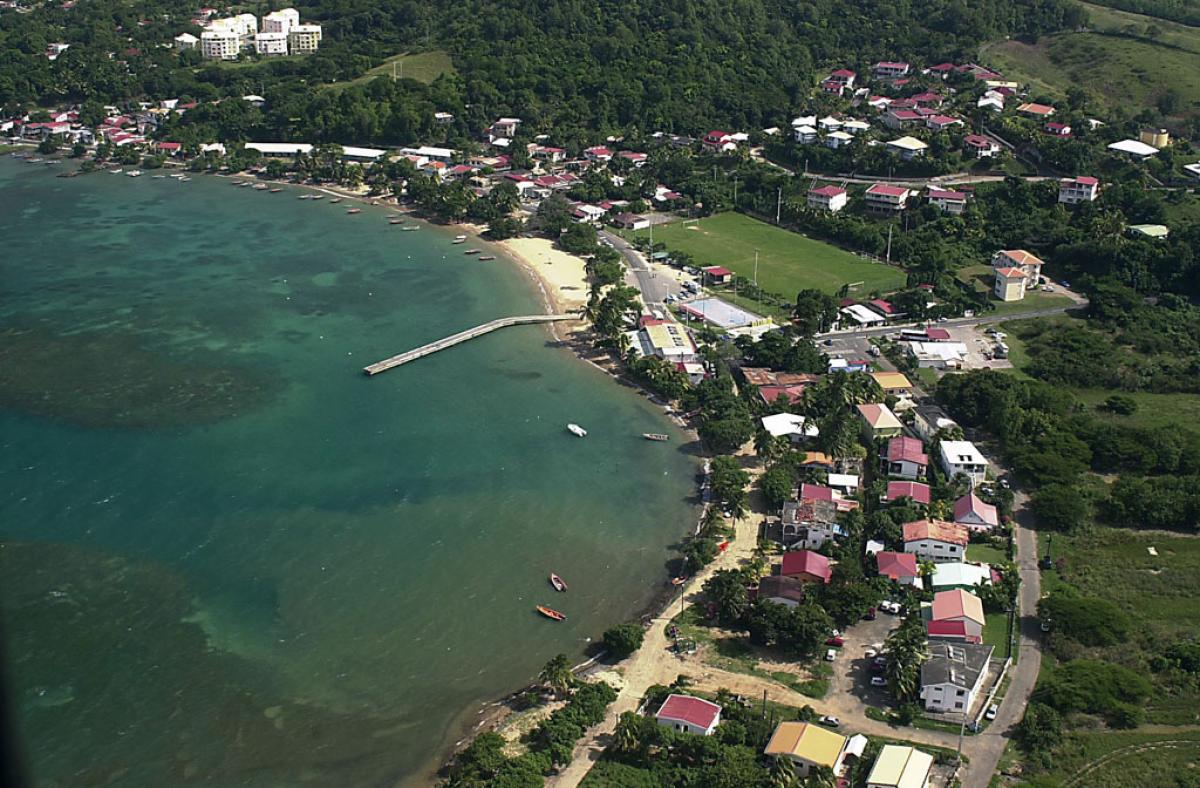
[[958, 705], [961, 693]]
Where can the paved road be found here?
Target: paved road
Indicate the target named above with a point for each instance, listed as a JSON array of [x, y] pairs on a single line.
[[656, 282]]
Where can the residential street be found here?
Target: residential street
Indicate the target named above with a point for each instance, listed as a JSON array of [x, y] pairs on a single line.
[[655, 281]]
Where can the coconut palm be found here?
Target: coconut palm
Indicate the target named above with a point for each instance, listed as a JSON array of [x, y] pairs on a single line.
[[628, 735], [557, 675], [783, 773]]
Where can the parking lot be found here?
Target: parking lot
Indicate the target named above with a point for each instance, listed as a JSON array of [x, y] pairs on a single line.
[[979, 347], [850, 687]]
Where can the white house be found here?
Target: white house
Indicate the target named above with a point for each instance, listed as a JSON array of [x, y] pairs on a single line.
[[797, 428], [962, 457], [948, 201], [908, 148], [685, 714], [304, 39], [953, 675], [980, 146], [185, 41], [935, 540], [805, 135], [884, 198], [837, 139], [1029, 264], [1072, 191], [827, 198], [976, 515], [1134, 149]]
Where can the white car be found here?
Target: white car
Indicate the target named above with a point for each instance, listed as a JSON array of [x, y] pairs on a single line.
[[991, 713], [878, 681], [830, 655], [870, 653], [832, 722]]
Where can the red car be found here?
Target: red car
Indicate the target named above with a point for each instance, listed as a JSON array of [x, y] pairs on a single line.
[[835, 641]]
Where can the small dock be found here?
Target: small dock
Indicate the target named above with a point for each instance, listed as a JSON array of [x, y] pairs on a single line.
[[460, 337]]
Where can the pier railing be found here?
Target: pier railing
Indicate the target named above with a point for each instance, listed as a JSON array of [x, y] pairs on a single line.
[[461, 336]]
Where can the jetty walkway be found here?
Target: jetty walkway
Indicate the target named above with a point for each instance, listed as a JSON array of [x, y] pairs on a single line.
[[461, 336]]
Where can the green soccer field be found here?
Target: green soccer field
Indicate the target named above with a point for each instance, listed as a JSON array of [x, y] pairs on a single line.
[[787, 262]]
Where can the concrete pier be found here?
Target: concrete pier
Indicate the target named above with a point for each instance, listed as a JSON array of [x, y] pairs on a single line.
[[462, 336]]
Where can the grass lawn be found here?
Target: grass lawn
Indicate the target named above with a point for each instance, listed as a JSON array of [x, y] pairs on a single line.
[[1154, 410], [995, 633], [985, 554], [422, 66], [982, 278], [787, 262], [1123, 71]]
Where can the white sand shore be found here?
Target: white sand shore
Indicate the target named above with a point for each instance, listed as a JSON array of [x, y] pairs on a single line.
[[563, 276]]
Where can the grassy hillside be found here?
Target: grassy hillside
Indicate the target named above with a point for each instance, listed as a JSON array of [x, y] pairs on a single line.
[[787, 262], [1126, 60], [422, 66]]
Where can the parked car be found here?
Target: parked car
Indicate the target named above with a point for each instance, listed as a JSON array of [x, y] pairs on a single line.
[[1046, 626], [991, 713], [869, 653], [888, 606], [830, 722], [837, 633], [830, 655], [835, 641], [878, 681]]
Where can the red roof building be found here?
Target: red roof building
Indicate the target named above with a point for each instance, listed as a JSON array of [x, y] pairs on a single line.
[[887, 191], [919, 493], [689, 715], [816, 492], [806, 565], [906, 449], [901, 567], [972, 512]]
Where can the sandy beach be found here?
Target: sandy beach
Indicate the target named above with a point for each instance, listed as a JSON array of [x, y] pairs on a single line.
[[562, 276]]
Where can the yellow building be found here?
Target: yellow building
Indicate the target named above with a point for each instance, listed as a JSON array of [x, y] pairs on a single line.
[[1159, 138], [1010, 284], [807, 745], [900, 767], [893, 383]]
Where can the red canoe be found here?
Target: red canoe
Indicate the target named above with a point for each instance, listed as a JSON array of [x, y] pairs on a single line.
[[548, 613], [558, 583]]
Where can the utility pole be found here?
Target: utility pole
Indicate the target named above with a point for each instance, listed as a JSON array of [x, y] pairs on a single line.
[[756, 268], [778, 203], [735, 184], [889, 245]]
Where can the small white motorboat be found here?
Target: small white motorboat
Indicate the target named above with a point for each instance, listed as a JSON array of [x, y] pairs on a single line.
[[576, 430]]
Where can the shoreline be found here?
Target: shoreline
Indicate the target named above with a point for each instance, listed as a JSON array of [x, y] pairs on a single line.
[[561, 279]]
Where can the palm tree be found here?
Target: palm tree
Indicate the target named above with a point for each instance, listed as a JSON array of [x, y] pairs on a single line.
[[557, 674], [820, 777], [783, 773], [628, 735]]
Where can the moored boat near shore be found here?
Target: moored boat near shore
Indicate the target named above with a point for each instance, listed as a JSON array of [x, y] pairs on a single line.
[[558, 583], [655, 436], [487, 257], [549, 613], [575, 429]]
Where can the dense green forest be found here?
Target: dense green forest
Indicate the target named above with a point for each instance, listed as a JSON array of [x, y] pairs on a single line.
[[581, 69]]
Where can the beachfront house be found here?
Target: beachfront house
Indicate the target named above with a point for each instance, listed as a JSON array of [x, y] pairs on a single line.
[[935, 540], [782, 590], [807, 745], [685, 714]]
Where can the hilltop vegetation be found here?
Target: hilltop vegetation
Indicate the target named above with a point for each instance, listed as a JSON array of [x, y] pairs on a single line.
[[581, 69]]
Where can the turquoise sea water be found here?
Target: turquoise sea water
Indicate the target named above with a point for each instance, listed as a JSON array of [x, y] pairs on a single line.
[[229, 557]]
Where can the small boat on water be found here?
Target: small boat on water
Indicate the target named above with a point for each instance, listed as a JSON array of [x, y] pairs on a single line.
[[157, 177], [655, 436], [304, 197], [261, 187], [38, 160], [576, 430], [558, 583], [459, 241], [177, 175], [244, 184], [185, 179], [354, 210], [395, 221], [237, 183], [410, 229], [117, 171], [276, 191], [548, 613], [317, 197], [487, 257], [134, 173], [336, 199], [471, 251]]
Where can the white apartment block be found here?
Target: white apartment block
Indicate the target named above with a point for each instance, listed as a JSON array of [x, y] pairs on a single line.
[[242, 24], [281, 21], [1073, 191], [220, 44], [271, 43], [185, 41], [304, 39]]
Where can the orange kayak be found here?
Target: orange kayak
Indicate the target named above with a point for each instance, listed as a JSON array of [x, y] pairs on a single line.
[[548, 613]]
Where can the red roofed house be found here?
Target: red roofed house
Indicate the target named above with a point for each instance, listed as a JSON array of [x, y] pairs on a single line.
[[959, 607], [685, 714], [900, 117], [717, 275], [884, 308], [889, 70], [885, 199], [844, 76], [928, 98], [935, 540], [942, 69], [981, 146], [950, 202], [169, 148], [833, 86], [638, 159], [718, 142], [827, 198], [905, 457], [1057, 129], [919, 493], [1036, 110], [941, 122], [937, 335], [808, 566], [976, 515], [1029, 264], [899, 567], [598, 153], [1073, 191], [819, 492]]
